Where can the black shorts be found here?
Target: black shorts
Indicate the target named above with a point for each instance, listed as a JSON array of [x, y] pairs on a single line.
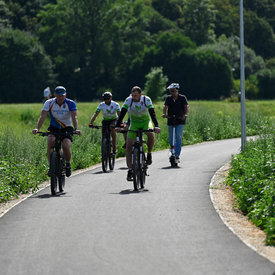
[[107, 123], [67, 130]]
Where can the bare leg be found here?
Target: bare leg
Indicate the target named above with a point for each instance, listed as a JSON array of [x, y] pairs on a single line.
[[113, 134], [66, 145], [150, 142]]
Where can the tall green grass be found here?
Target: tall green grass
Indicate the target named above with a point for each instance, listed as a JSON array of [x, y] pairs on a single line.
[[252, 178]]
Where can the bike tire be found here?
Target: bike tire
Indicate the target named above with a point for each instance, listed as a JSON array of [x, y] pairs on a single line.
[[112, 157], [136, 169], [61, 175], [143, 174], [53, 166], [104, 155]]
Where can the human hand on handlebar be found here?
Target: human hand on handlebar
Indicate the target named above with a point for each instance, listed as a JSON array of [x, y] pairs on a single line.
[[34, 131], [78, 132], [157, 130]]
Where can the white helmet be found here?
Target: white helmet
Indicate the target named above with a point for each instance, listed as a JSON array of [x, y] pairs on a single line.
[[174, 86]]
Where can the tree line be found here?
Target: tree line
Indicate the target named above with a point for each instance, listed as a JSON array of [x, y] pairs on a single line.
[[91, 46]]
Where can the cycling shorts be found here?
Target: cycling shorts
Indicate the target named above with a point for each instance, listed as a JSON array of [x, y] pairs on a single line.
[[135, 125], [67, 130], [107, 123]]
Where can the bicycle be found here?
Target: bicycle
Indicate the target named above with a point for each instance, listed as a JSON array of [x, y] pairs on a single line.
[[57, 162], [107, 157], [139, 161]]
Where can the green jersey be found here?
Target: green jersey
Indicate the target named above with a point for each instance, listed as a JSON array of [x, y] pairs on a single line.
[[138, 111]]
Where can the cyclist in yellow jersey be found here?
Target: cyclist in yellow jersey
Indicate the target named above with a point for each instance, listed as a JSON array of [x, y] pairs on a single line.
[[140, 109]]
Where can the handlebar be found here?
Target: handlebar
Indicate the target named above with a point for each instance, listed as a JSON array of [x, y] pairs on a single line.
[[100, 126], [137, 131], [44, 134]]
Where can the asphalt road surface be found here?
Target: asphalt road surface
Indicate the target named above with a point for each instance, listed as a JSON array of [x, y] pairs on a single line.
[[100, 226]]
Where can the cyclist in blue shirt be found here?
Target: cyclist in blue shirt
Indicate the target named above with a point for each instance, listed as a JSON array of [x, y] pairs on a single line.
[[63, 113]]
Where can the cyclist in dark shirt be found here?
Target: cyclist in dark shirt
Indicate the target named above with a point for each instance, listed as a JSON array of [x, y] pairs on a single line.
[[178, 108]]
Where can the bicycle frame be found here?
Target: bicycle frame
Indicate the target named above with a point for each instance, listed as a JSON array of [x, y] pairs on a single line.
[[140, 170], [106, 155], [57, 162]]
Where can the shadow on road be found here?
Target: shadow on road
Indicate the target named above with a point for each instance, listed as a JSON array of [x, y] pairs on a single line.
[[123, 168], [170, 167], [131, 191], [47, 196]]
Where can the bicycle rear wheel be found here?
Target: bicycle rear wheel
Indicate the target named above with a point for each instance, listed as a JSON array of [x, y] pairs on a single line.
[[104, 155], [112, 157], [61, 175], [136, 170], [53, 168]]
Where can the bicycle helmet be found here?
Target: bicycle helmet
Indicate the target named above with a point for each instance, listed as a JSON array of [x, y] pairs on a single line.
[[173, 86], [107, 95], [60, 90]]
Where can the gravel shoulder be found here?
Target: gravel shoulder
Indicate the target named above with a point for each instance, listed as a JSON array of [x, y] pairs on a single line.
[[225, 205]]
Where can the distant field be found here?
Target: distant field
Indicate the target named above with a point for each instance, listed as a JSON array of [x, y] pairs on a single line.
[[23, 117]]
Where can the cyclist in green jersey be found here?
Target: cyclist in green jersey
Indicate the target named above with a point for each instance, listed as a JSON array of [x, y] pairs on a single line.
[[140, 109]]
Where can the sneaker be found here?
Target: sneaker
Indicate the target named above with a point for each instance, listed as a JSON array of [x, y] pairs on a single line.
[[177, 159], [130, 175], [149, 159], [114, 151], [68, 169]]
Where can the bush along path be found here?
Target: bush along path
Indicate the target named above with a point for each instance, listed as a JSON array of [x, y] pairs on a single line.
[[252, 179]]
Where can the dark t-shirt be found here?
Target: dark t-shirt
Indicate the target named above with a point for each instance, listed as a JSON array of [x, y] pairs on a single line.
[[176, 109]]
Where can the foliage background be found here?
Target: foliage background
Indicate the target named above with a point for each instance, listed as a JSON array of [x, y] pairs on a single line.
[[90, 46]]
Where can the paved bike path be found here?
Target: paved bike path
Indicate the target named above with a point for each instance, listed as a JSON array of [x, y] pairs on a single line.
[[100, 226]]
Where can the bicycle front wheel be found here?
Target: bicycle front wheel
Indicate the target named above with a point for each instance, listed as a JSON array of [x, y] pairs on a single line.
[[53, 168], [104, 155], [136, 169], [61, 175], [112, 157]]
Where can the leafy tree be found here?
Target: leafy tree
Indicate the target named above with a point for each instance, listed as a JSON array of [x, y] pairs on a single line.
[[227, 18], [205, 75], [23, 14], [259, 35], [155, 84], [264, 9], [4, 16], [25, 68], [199, 19], [266, 79], [229, 48], [102, 40], [171, 9]]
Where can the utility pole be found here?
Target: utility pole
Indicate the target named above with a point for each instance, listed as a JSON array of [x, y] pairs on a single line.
[[242, 76]]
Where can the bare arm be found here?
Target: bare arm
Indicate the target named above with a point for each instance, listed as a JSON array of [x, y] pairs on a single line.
[[94, 117], [164, 111], [75, 122], [40, 121], [186, 111]]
